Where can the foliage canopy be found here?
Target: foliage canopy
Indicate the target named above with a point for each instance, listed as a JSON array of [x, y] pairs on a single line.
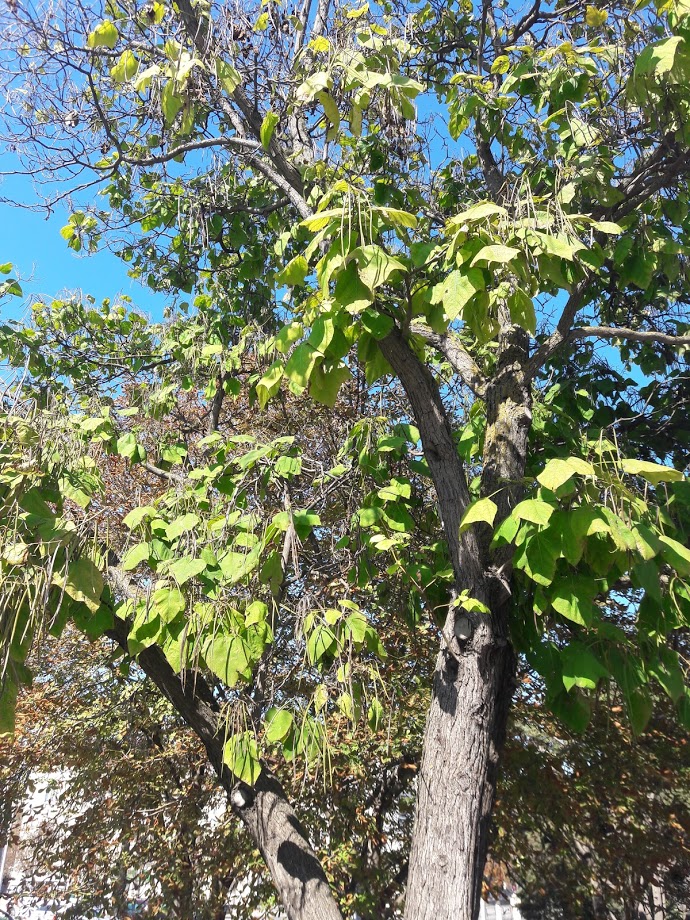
[[449, 245]]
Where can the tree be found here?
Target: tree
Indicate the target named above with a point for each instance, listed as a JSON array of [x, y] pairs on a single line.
[[135, 807], [594, 826], [515, 260]]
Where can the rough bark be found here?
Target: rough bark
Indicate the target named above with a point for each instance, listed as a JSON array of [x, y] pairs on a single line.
[[462, 744], [474, 676], [264, 809]]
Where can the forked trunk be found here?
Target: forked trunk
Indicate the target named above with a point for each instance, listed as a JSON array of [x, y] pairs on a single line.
[[464, 735]]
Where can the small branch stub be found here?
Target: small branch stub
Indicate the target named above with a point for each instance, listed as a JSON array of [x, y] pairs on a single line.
[[240, 798]]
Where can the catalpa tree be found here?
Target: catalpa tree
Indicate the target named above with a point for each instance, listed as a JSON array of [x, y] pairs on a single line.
[[471, 218]]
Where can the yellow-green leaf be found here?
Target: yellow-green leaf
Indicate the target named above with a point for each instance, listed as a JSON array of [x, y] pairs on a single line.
[[125, 68], [241, 756], [501, 64], [595, 18], [105, 35], [268, 126], [482, 511]]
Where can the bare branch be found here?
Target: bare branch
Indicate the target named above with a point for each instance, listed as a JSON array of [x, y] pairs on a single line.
[[449, 345], [633, 335], [239, 142], [560, 334]]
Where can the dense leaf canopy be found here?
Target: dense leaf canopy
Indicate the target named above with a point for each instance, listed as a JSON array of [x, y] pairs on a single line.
[[423, 370]]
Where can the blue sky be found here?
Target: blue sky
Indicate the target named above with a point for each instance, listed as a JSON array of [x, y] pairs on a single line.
[[45, 265]]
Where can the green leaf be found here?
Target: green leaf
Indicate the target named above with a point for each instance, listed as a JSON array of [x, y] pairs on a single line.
[[574, 602], [288, 466], [483, 510], [321, 334], [279, 724], [136, 555], [236, 566], [675, 554], [581, 668], [555, 474], [171, 102], [522, 311], [9, 691], [181, 524], [294, 272], [537, 557], [228, 77], [395, 489], [321, 643], [375, 714], [187, 567], [125, 68], [84, 583], [269, 384], [534, 510], [572, 708], [639, 706], [659, 58], [322, 219], [167, 603], [241, 756], [356, 625], [457, 290], [105, 35], [287, 337], [325, 384], [300, 367], [375, 266], [227, 657], [497, 254], [559, 246], [652, 472], [330, 108], [126, 446], [398, 218], [137, 515], [268, 126], [377, 324], [583, 134], [350, 291], [667, 671], [505, 532], [477, 212]]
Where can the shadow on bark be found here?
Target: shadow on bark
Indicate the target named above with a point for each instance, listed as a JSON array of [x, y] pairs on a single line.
[[298, 864], [446, 688]]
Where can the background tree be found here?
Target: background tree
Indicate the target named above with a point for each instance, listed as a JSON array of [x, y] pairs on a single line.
[[244, 154]]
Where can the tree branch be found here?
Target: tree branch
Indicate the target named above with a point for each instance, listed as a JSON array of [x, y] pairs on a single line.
[[559, 335], [241, 142], [263, 808], [633, 335], [447, 469], [450, 346]]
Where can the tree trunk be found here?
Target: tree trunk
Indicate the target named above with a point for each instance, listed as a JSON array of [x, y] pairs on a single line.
[[464, 736], [264, 809], [474, 677]]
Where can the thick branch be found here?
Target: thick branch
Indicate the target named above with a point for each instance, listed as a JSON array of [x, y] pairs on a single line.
[[450, 346], [559, 335], [446, 466], [263, 808]]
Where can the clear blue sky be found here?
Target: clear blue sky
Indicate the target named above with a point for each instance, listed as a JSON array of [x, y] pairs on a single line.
[[46, 267]]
